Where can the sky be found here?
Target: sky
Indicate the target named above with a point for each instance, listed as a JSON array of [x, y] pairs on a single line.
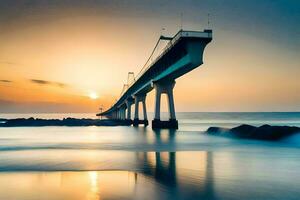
[[74, 56]]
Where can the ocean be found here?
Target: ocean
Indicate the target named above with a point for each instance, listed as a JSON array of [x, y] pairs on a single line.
[[139, 163]]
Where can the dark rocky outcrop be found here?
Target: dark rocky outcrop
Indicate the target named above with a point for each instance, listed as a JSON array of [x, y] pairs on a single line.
[[265, 132], [64, 122], [216, 130]]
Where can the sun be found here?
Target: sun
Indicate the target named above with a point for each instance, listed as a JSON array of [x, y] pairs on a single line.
[[93, 95]]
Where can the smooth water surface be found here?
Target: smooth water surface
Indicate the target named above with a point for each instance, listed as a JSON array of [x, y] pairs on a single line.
[[139, 163]]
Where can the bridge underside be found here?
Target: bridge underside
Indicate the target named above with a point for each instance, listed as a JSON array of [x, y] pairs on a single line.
[[183, 54]]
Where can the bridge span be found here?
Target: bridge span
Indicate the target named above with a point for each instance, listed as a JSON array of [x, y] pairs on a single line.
[[183, 53]]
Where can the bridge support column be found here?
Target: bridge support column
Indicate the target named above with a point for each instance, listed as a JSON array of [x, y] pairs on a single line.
[[137, 100], [117, 114], [144, 109], [136, 112], [122, 113], [128, 105], [166, 88]]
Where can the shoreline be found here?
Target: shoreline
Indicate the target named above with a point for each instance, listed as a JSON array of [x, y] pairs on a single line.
[[37, 122]]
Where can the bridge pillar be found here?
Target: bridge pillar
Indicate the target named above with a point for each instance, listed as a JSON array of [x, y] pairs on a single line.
[[137, 100], [122, 112], [128, 104], [136, 111], [166, 88], [118, 114], [144, 109]]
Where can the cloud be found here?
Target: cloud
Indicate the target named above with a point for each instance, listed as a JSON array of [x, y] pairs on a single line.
[[9, 63], [7, 106], [5, 81], [44, 82]]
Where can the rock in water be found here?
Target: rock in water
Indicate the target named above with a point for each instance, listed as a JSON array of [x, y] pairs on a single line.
[[216, 130], [265, 132]]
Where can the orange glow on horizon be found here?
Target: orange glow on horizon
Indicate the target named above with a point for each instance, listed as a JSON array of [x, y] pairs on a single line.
[[68, 56]]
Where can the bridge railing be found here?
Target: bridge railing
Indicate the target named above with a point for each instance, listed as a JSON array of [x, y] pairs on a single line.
[[171, 43]]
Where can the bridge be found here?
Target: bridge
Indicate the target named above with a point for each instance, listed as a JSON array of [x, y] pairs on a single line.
[[183, 53]]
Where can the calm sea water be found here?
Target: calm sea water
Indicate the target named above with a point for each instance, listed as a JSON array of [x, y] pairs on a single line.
[[138, 163]]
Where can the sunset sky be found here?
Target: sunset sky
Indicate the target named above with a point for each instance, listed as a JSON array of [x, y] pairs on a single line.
[[73, 55]]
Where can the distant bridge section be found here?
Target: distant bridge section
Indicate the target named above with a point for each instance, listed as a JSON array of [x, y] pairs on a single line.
[[183, 53]]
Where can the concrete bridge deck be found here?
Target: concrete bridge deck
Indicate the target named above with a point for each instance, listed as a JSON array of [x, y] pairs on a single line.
[[183, 53]]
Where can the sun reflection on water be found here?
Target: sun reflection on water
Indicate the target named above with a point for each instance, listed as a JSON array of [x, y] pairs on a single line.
[[94, 189], [154, 175]]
